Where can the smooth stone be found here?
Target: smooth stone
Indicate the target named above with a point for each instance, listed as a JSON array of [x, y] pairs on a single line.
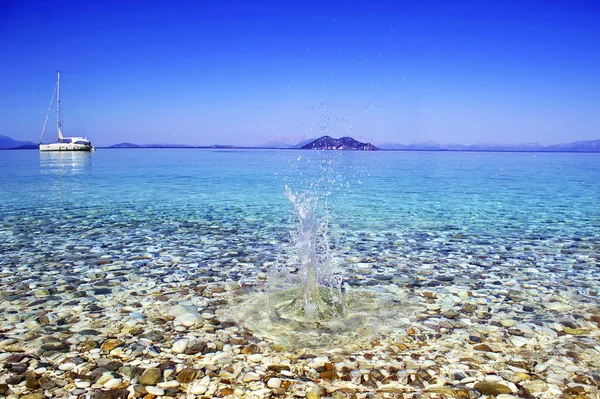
[[180, 346], [194, 347], [518, 340], [185, 314], [256, 358], [535, 386], [274, 382], [492, 388], [556, 378], [150, 376], [35, 395], [483, 348], [155, 390], [557, 306], [67, 366], [492, 378], [112, 383], [111, 344], [507, 322], [251, 376], [104, 378], [168, 384], [56, 346], [186, 375], [198, 389]]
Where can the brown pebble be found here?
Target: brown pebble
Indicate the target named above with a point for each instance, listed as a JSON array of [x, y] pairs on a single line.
[[186, 375], [492, 388], [401, 346], [574, 390], [250, 349], [483, 348], [329, 375], [150, 376], [34, 395], [111, 344]]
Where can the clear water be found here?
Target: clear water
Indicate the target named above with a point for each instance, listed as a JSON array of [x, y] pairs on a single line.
[[204, 204], [436, 251], [500, 194]]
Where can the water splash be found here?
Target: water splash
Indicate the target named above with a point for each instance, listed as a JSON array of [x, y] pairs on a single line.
[[308, 288], [305, 302]]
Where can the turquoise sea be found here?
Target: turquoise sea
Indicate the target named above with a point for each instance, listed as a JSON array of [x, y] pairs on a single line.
[[505, 196], [465, 273], [473, 202]]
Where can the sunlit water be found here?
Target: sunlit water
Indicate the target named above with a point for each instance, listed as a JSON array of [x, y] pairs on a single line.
[[226, 215]]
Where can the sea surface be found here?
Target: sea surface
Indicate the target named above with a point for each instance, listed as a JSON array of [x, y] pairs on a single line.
[[503, 196], [477, 201], [464, 273]]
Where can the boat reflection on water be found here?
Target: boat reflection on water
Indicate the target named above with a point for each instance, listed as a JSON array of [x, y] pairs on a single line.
[[65, 162], [65, 171]]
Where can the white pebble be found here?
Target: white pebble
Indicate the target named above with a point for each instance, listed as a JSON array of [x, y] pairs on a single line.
[[155, 390], [256, 358], [197, 389], [493, 378], [112, 383], [168, 384], [251, 376], [274, 382], [68, 366], [180, 346]]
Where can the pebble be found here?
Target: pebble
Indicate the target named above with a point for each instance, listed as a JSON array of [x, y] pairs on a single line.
[[155, 390], [180, 346], [68, 366], [112, 383], [150, 376], [256, 358], [251, 376], [274, 382], [197, 389]]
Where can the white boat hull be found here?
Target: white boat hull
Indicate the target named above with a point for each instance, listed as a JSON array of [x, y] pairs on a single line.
[[66, 147]]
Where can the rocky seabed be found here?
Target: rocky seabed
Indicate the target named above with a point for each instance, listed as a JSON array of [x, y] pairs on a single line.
[[117, 308]]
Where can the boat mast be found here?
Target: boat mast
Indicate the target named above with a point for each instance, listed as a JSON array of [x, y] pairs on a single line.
[[48, 114], [58, 107]]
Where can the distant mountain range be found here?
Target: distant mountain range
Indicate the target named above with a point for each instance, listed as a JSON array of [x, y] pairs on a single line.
[[326, 142], [578, 146], [6, 143], [131, 145]]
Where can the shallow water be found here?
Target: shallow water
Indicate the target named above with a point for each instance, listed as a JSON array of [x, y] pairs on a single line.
[[458, 245], [441, 204]]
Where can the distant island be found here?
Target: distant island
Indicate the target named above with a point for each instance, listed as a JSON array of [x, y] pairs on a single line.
[[348, 143], [577, 146], [345, 143], [6, 143]]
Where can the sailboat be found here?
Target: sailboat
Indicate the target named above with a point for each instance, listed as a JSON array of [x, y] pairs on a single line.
[[62, 143]]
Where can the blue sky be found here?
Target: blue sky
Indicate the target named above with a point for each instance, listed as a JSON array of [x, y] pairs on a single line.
[[247, 72]]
